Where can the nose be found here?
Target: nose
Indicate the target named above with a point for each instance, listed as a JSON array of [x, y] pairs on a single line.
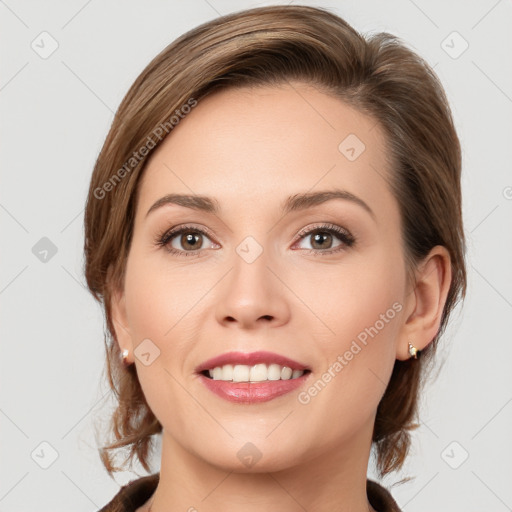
[[253, 294]]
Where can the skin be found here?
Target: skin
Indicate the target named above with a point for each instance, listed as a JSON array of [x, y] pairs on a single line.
[[250, 149]]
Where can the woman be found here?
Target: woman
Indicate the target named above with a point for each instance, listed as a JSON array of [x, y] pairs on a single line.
[[272, 365]]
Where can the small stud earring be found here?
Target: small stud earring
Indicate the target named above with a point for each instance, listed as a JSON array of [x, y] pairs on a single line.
[[125, 356], [413, 351]]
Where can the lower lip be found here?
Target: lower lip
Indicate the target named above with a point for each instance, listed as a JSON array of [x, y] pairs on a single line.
[[252, 392]]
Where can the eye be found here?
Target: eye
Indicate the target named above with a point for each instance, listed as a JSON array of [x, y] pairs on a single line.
[[322, 238], [189, 240], [184, 240]]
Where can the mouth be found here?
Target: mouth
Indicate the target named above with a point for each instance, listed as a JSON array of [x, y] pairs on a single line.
[[246, 378]]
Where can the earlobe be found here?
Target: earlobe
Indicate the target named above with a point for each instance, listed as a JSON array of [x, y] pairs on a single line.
[[433, 280]]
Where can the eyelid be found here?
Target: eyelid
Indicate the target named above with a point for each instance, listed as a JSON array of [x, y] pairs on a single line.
[[327, 226], [185, 227]]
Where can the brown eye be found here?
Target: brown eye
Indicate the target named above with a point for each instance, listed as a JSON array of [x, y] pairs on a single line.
[[184, 241], [323, 239], [190, 241], [320, 240]]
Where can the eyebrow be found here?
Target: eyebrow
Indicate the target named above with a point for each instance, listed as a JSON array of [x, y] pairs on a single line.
[[297, 202]]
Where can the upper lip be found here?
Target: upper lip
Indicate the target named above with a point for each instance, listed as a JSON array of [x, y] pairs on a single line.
[[250, 359]]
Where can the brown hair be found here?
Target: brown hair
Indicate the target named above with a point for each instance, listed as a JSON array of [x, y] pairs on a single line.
[[378, 75]]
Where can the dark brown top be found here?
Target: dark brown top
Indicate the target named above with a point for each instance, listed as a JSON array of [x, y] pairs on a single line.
[[134, 494]]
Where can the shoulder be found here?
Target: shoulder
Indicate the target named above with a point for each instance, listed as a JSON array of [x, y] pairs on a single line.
[[133, 495], [380, 498]]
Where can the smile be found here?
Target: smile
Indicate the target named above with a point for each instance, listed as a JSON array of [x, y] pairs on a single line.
[[254, 377]]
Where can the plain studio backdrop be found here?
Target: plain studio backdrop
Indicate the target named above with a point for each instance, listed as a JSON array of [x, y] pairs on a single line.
[[65, 68]]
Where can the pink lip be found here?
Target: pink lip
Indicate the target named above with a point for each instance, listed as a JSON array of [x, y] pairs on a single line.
[[250, 359], [252, 392]]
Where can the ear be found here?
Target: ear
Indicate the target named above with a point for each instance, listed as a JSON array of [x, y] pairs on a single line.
[[425, 303], [120, 322]]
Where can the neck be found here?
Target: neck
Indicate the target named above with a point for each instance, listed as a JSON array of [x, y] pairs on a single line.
[[334, 480]]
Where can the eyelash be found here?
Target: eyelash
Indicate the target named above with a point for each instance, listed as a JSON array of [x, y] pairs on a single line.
[[163, 239]]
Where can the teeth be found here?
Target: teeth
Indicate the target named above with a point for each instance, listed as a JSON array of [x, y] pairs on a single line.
[[227, 372], [286, 373], [240, 373], [274, 372], [256, 373]]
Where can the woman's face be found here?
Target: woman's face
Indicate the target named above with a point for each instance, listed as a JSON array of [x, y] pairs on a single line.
[[257, 276]]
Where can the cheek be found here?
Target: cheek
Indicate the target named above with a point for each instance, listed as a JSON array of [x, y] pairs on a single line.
[[158, 299], [360, 308], [368, 302], [352, 294], [159, 307]]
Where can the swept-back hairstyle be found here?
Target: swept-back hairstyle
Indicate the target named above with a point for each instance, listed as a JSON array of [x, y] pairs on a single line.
[[378, 75]]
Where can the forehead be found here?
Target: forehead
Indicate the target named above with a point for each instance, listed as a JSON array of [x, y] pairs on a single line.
[[252, 147]]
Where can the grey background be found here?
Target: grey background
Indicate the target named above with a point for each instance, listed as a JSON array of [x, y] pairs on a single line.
[[55, 114]]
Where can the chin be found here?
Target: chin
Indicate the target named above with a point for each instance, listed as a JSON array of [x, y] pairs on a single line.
[[251, 456]]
